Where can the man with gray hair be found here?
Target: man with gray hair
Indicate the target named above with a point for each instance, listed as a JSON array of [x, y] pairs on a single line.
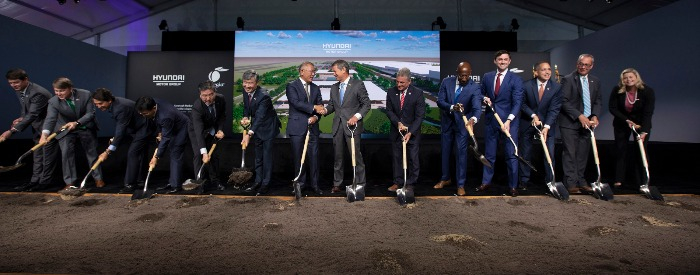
[[260, 116], [405, 107]]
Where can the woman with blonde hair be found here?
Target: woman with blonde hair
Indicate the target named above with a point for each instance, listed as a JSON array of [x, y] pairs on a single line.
[[632, 106]]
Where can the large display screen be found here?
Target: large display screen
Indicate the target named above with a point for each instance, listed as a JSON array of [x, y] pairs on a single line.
[[374, 56]]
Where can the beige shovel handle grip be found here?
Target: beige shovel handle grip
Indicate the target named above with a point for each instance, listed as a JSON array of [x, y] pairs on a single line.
[[546, 151], [467, 125], [211, 151], [49, 138], [352, 149], [306, 145], [97, 163], [405, 161], [500, 123], [644, 154], [245, 133], [150, 167], [595, 149]]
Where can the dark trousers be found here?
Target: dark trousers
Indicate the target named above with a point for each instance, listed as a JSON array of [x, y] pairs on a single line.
[[453, 138], [211, 170], [263, 161], [577, 146], [44, 160], [136, 159], [530, 141], [413, 165], [177, 149], [340, 142], [493, 136], [311, 159], [622, 137]]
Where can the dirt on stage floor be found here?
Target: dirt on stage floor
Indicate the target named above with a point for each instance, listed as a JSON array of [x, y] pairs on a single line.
[[93, 234]]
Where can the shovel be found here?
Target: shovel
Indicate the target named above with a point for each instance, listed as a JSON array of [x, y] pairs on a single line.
[[145, 193], [73, 192], [354, 192], [500, 122], [295, 182], [62, 133], [191, 184], [650, 191], [239, 176], [601, 191], [404, 195], [475, 147], [556, 188]]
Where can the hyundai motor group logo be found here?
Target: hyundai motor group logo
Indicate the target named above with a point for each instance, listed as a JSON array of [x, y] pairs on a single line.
[[168, 79], [214, 76], [342, 48]]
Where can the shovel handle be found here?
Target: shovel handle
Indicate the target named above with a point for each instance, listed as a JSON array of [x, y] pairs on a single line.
[[211, 151], [469, 126], [150, 167], [245, 133], [595, 149], [500, 123], [546, 151], [352, 149], [643, 152], [306, 144], [97, 163], [405, 160], [49, 138]]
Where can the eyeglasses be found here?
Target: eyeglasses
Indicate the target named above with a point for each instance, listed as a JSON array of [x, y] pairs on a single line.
[[584, 65]]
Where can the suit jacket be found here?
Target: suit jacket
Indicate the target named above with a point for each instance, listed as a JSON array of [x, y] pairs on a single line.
[[128, 120], [412, 113], [572, 99], [642, 109], [301, 107], [470, 97], [59, 112], [546, 109], [33, 109], [356, 100], [202, 121], [170, 122], [263, 118], [509, 99]]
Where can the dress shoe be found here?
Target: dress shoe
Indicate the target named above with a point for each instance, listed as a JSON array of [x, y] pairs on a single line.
[[336, 189], [220, 187], [129, 188], [617, 185], [523, 186], [167, 189], [442, 184], [317, 190], [586, 188], [460, 191], [40, 187], [393, 188], [25, 186], [68, 186], [513, 192], [482, 187], [253, 187], [263, 190], [99, 183], [574, 190]]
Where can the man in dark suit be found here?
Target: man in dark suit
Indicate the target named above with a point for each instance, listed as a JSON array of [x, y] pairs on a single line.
[[350, 101], [541, 104], [33, 100], [405, 107], [72, 109], [130, 125], [581, 105], [457, 94], [260, 115], [503, 90], [207, 124], [172, 129], [305, 103]]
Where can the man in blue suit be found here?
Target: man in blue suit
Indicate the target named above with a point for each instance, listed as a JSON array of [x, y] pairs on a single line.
[[172, 128], [503, 90], [541, 104], [259, 113], [405, 107], [305, 103], [455, 94]]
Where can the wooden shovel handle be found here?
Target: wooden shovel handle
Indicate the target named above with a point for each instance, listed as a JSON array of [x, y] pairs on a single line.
[[643, 152], [468, 126], [500, 123], [352, 148], [49, 138], [245, 133], [405, 160], [150, 167], [546, 151], [595, 149], [306, 145]]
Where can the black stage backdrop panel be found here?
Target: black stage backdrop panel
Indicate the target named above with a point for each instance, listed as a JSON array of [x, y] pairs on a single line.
[[482, 62], [174, 76]]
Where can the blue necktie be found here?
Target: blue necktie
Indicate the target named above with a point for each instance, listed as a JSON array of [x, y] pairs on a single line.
[[457, 92], [586, 97], [342, 92]]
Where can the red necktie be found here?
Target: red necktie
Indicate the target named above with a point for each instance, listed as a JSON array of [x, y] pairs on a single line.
[[541, 91], [403, 95], [498, 84]]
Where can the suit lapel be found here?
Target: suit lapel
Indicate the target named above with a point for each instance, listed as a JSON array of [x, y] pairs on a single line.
[[348, 89]]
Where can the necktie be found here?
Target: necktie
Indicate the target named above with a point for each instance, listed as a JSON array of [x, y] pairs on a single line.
[[457, 92], [212, 111], [70, 103], [403, 95], [21, 96], [586, 97], [541, 91], [306, 89], [342, 92], [498, 84]]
